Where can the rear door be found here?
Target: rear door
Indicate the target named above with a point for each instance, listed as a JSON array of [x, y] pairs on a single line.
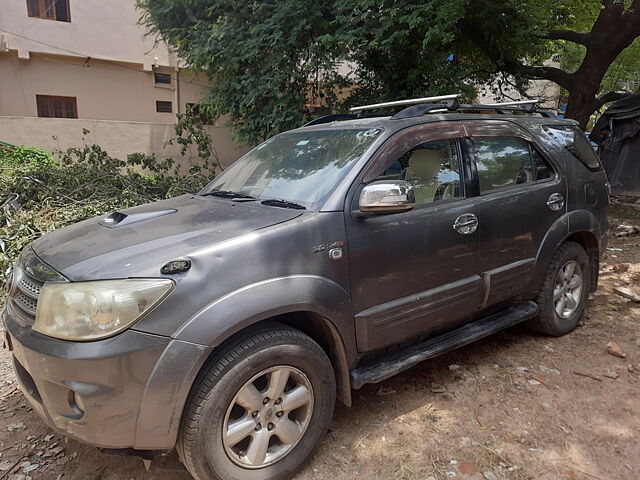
[[520, 195]]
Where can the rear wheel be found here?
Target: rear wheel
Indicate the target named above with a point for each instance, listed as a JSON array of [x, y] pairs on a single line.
[[563, 296], [260, 409]]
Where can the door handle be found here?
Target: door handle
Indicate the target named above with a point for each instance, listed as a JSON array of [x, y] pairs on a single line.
[[555, 201], [466, 224]]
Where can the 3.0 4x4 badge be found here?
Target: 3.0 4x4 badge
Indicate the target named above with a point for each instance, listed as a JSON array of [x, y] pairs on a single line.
[[335, 249]]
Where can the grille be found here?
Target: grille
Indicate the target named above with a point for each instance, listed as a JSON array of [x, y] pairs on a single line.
[[26, 285], [24, 297]]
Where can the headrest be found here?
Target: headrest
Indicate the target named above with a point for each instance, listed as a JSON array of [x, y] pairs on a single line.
[[425, 164]]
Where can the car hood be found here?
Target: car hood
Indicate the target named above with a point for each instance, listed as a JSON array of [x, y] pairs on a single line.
[[139, 240]]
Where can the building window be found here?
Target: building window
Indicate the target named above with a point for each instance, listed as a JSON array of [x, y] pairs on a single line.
[[163, 107], [56, 107], [163, 78], [49, 9]]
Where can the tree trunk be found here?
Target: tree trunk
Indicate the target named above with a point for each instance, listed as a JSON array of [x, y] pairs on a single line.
[[580, 106]]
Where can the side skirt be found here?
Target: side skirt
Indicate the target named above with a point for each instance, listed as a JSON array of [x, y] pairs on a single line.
[[380, 369]]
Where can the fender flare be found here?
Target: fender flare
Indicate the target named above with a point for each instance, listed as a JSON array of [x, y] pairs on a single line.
[[577, 221], [266, 299]]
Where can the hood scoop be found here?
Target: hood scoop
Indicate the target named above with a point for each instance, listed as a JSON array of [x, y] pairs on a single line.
[[120, 219]]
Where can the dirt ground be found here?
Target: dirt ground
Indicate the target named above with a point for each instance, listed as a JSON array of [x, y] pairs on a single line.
[[517, 405]]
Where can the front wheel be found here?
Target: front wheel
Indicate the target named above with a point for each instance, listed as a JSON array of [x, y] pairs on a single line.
[[260, 409], [563, 296]]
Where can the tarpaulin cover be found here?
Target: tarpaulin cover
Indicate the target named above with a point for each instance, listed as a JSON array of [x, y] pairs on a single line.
[[617, 132]]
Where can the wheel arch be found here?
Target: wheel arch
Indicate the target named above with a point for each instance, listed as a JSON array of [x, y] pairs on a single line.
[[579, 226]]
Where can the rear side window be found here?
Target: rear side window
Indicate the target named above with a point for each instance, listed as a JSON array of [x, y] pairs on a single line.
[[574, 140], [502, 162]]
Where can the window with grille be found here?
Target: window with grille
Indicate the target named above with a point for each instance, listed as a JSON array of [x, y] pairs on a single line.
[[163, 107], [57, 107], [49, 9]]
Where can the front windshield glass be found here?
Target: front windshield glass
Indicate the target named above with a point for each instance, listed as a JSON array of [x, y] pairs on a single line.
[[300, 167]]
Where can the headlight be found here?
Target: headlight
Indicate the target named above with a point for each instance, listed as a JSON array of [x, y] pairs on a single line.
[[93, 310]]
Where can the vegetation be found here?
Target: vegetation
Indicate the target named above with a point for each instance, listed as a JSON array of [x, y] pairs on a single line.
[[271, 62], [39, 193]]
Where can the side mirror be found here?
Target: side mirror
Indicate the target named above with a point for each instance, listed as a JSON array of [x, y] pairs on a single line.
[[387, 196]]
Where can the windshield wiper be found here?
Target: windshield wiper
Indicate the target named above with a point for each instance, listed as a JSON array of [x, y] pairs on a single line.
[[228, 194], [274, 202]]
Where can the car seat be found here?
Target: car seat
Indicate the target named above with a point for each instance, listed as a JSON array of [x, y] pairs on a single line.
[[422, 172]]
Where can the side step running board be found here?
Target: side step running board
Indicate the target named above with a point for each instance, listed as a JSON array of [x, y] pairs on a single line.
[[382, 368]]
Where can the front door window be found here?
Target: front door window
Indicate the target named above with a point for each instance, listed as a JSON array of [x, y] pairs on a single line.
[[432, 169]]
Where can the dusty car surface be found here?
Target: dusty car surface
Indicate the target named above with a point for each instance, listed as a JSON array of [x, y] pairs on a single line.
[[225, 324]]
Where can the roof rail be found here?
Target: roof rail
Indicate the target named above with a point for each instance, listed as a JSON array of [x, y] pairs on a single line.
[[336, 117], [449, 105], [513, 104], [411, 101], [526, 106]]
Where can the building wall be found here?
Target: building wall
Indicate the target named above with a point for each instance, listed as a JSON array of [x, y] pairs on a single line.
[[104, 59], [101, 29], [104, 90], [118, 138]]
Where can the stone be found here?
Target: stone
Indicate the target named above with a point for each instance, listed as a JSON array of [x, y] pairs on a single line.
[[620, 267], [615, 350], [626, 292], [544, 369], [489, 476], [16, 426], [611, 374]]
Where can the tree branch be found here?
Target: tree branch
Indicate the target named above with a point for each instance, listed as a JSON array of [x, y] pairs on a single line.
[[568, 35], [610, 97], [512, 66]]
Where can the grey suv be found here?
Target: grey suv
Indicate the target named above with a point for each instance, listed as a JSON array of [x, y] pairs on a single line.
[[226, 323]]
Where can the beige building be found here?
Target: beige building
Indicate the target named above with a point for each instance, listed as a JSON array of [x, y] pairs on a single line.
[[66, 65]]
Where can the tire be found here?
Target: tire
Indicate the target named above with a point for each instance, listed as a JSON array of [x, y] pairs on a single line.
[[553, 319], [260, 359]]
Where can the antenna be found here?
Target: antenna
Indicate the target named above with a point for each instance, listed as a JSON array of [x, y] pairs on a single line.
[[411, 101], [512, 104]]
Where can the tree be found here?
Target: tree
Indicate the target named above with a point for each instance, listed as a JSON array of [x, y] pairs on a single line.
[[604, 29], [266, 60], [262, 58]]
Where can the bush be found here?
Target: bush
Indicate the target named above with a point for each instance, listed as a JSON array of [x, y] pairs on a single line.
[[40, 193]]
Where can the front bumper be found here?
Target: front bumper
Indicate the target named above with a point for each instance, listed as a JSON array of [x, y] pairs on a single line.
[[127, 391]]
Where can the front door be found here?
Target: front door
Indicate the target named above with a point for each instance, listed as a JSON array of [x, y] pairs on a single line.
[[416, 272], [521, 195]]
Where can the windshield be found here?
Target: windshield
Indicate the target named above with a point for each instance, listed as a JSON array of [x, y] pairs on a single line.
[[299, 167]]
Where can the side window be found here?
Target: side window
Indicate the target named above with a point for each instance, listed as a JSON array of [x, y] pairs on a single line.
[[572, 139], [541, 169], [432, 168], [506, 161]]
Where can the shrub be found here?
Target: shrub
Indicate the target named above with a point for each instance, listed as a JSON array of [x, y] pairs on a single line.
[[39, 193]]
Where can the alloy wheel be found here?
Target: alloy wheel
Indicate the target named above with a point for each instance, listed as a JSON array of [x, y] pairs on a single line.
[[268, 417]]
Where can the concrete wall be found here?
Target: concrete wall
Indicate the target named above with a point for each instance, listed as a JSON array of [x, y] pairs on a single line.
[[106, 29], [117, 138], [104, 90]]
